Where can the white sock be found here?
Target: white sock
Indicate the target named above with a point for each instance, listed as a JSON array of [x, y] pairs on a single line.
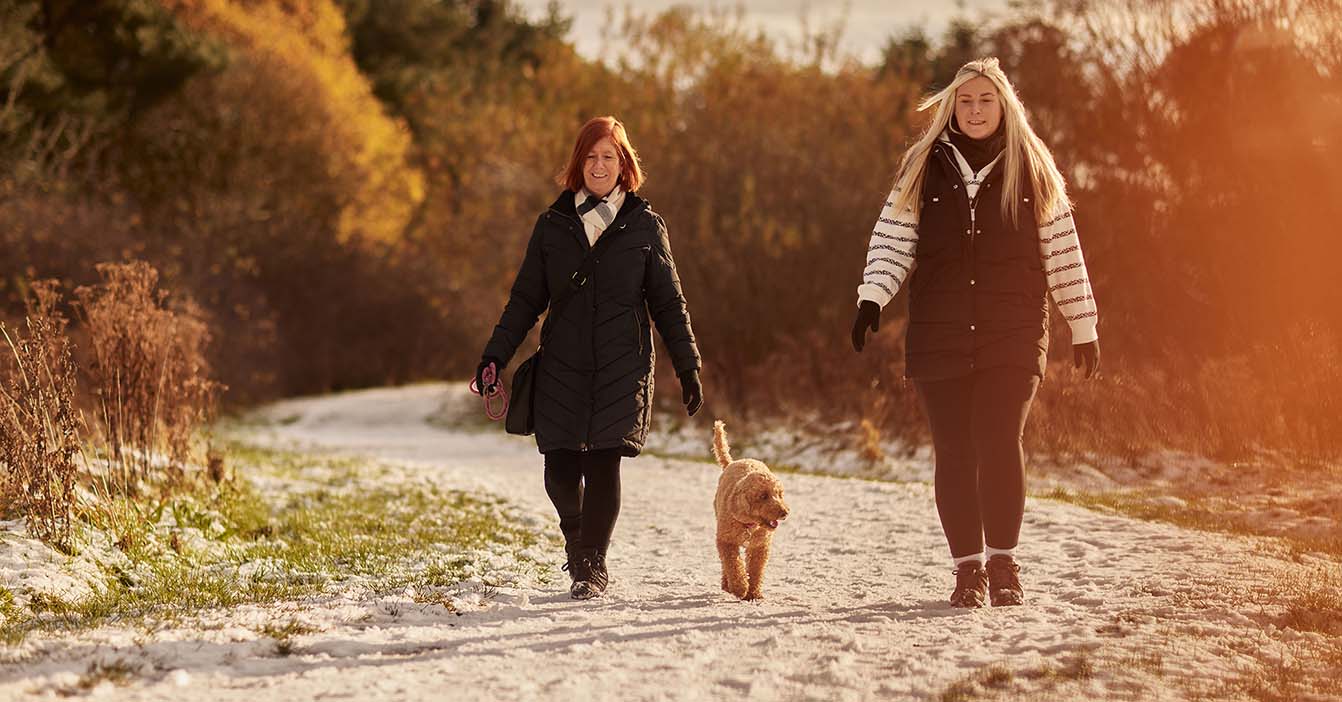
[[977, 558], [1008, 552]]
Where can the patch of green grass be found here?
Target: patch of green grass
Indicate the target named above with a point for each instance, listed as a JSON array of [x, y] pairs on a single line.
[[284, 635], [172, 592], [338, 520], [373, 530], [7, 607], [14, 620], [282, 463]]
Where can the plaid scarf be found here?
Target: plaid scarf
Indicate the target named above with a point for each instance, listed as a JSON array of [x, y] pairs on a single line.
[[597, 212]]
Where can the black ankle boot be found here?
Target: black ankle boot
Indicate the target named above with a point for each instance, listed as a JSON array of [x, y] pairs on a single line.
[[589, 575], [570, 563]]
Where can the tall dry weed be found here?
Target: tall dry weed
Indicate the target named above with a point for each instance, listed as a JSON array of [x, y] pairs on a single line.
[[39, 424], [147, 368]]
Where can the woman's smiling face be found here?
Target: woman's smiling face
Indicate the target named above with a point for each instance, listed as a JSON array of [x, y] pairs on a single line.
[[601, 169], [978, 110]]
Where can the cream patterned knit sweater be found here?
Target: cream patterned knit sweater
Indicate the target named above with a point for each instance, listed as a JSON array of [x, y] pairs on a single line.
[[890, 256]]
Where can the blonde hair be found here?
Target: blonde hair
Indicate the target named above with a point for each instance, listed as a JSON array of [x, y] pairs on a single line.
[[1025, 155]]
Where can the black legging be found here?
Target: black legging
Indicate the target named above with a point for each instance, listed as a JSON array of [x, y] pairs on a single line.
[[977, 422], [585, 490]]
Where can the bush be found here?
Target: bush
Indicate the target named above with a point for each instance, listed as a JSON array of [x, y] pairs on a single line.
[[39, 425], [147, 368]]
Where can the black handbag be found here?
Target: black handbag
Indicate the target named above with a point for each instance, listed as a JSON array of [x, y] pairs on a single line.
[[521, 417], [522, 398]]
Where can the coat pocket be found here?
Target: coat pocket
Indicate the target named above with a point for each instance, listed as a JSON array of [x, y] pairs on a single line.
[[938, 226], [638, 330]]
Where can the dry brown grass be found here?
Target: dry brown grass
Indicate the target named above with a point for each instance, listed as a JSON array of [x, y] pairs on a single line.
[[147, 369], [39, 424], [150, 384], [1278, 398]]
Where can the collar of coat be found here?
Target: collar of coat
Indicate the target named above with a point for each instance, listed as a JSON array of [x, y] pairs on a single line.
[[565, 205], [967, 172]]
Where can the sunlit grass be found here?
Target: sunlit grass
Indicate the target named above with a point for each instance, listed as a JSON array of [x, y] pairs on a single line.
[[339, 524], [1195, 513], [284, 635], [999, 681]]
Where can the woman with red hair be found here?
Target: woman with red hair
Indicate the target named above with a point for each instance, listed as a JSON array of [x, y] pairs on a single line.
[[600, 261]]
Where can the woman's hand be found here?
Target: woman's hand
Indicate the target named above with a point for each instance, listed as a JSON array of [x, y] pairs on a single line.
[[692, 393], [1087, 354], [868, 316], [480, 373]]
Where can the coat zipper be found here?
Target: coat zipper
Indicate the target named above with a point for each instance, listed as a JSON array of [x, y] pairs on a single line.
[[973, 232], [638, 331], [585, 445], [582, 238]]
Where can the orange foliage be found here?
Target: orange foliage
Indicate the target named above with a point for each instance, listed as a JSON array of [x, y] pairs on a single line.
[[303, 43]]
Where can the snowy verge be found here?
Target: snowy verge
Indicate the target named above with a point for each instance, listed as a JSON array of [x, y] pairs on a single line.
[[339, 537]]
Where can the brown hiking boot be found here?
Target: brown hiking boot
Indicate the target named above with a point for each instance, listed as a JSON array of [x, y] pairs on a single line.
[[971, 586], [1003, 585], [571, 551], [589, 575]]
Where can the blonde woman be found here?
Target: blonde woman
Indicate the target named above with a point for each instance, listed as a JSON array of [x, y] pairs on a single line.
[[980, 224]]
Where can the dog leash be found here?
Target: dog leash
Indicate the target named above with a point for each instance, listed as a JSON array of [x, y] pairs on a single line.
[[492, 389]]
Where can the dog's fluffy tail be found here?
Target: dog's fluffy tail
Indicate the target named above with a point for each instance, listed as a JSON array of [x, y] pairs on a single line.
[[721, 450]]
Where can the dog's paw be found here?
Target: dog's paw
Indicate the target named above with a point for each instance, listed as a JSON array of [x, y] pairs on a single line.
[[737, 590], [754, 596]]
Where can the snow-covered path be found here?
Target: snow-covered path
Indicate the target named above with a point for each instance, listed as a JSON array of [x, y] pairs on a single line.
[[855, 595]]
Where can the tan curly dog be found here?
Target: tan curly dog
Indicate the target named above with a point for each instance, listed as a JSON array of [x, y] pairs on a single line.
[[749, 504]]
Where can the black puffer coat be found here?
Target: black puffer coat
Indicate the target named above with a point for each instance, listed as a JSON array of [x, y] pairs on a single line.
[[594, 383], [978, 296]]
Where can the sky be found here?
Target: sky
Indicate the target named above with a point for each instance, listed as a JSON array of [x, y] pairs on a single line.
[[867, 25]]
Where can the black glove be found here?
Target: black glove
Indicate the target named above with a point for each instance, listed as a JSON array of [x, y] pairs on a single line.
[[868, 315], [480, 371], [1087, 354], [691, 392]]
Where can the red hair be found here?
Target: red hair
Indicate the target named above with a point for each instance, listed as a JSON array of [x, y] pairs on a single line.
[[596, 129]]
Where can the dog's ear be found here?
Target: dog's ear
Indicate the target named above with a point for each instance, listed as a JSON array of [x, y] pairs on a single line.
[[756, 487], [741, 492]]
